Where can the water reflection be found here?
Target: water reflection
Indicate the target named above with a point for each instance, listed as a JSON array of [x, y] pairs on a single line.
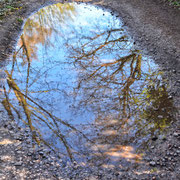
[[77, 81]]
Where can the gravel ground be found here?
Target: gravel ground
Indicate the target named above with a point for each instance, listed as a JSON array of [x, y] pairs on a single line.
[[21, 159], [155, 28]]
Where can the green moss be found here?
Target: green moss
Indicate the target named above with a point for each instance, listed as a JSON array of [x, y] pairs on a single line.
[[20, 20], [153, 170], [8, 7], [175, 2]]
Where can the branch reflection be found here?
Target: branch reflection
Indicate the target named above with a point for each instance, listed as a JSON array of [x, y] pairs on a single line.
[[87, 94]]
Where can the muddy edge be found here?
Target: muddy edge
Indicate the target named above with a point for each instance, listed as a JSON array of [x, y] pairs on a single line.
[[155, 28]]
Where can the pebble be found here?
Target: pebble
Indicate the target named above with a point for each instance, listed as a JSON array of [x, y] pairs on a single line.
[[41, 153], [164, 138], [18, 164], [176, 134], [169, 158], [154, 138], [152, 163], [18, 152]]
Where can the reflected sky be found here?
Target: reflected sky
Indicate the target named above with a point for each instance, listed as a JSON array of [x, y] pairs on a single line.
[[78, 82]]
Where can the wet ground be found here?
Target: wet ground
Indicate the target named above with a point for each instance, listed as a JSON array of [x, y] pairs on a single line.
[[91, 93], [80, 85]]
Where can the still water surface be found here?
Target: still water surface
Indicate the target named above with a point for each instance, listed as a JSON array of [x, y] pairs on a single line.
[[78, 82]]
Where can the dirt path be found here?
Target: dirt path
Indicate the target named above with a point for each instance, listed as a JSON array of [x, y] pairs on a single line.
[[156, 28]]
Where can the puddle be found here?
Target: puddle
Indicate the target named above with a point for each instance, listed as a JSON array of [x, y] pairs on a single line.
[[79, 84]]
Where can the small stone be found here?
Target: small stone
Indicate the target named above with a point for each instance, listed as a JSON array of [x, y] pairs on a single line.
[[155, 109], [176, 134], [169, 146], [5, 125], [41, 152], [164, 138], [154, 138], [18, 163], [29, 154], [47, 151], [18, 152], [31, 150], [163, 164], [18, 138], [169, 158], [152, 163], [10, 127], [36, 157]]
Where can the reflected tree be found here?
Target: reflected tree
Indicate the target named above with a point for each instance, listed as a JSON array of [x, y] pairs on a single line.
[[101, 73], [38, 28], [129, 97]]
